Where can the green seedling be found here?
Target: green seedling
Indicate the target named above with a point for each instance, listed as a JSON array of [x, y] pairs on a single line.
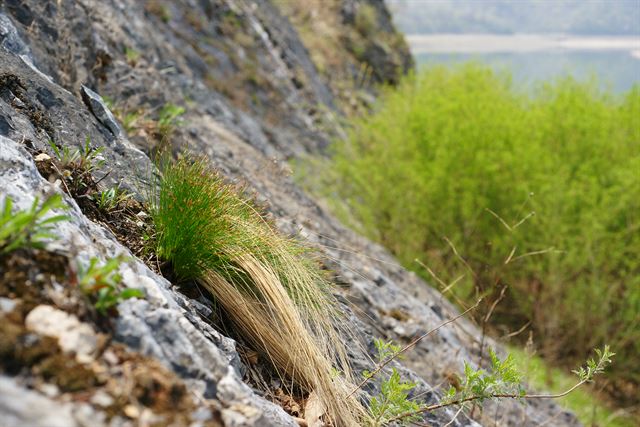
[[101, 284], [169, 119], [392, 401], [84, 158], [132, 55], [29, 228], [108, 200]]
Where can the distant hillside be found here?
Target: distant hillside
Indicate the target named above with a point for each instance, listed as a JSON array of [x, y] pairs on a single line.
[[601, 17]]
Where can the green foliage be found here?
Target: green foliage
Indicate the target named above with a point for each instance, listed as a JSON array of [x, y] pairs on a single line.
[[132, 55], [595, 367], [168, 119], [28, 228], [459, 159], [76, 165], [101, 284], [203, 223], [503, 379], [130, 120], [365, 19], [108, 200], [393, 400], [385, 349], [589, 407], [84, 158]]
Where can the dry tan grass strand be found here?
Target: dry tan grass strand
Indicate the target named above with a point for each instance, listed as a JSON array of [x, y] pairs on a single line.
[[272, 323]]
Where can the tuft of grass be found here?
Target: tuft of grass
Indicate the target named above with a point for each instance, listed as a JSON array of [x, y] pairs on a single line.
[[269, 285], [28, 228], [488, 187]]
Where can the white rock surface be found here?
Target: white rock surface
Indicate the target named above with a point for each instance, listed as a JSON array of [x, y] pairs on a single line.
[[73, 335]]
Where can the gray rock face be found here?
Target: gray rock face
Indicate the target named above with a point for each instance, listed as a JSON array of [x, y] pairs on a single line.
[[100, 110], [21, 407], [156, 326], [189, 53], [10, 40]]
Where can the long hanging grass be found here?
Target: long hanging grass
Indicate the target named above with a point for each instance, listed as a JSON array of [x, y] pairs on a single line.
[[457, 158], [269, 285]]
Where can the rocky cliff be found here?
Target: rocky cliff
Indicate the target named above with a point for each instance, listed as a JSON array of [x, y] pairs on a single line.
[[249, 84]]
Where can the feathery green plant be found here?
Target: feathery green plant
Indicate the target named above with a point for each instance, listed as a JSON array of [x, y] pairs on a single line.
[[393, 398], [392, 401], [270, 285], [502, 381], [28, 228]]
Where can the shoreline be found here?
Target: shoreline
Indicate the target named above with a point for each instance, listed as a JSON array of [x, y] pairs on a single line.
[[515, 43]]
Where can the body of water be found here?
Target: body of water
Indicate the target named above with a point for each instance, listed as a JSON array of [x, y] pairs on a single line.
[[615, 61]]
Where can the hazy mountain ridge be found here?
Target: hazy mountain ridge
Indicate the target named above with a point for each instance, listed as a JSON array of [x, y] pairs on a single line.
[[593, 17]]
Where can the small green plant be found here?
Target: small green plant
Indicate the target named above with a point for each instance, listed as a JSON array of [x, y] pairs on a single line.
[[28, 228], [65, 155], [84, 157], [504, 382], [595, 366], [132, 55], [100, 283], [385, 349], [502, 379], [76, 165], [108, 200], [130, 120], [393, 400], [168, 119]]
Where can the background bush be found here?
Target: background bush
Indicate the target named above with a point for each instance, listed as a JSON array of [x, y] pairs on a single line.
[[449, 145]]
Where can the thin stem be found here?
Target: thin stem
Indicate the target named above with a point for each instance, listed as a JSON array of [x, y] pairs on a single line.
[[409, 346], [492, 396]]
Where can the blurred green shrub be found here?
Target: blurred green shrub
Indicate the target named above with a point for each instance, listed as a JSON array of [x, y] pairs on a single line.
[[536, 191]]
